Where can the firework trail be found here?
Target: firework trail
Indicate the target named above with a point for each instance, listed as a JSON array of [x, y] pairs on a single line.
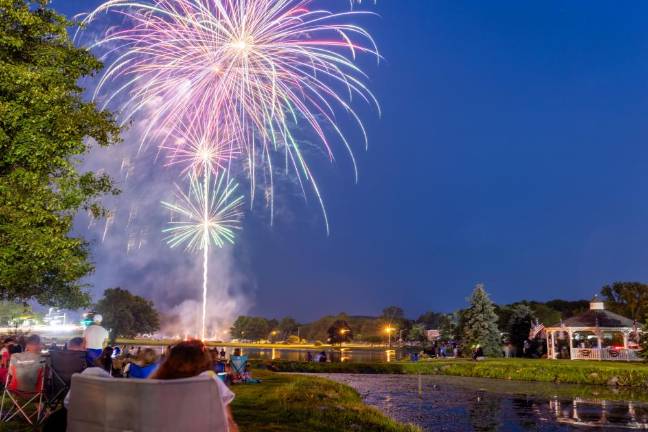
[[207, 214], [231, 80]]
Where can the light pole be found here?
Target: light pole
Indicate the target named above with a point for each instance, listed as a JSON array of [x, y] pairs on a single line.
[[389, 330]]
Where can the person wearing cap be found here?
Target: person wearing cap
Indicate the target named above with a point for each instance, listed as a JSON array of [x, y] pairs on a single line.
[[95, 337]]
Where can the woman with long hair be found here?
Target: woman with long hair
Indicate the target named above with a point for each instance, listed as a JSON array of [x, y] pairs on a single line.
[[190, 359]]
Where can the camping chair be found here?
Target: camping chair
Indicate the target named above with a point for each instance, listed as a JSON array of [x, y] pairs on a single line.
[[23, 390], [119, 404], [239, 369], [63, 364]]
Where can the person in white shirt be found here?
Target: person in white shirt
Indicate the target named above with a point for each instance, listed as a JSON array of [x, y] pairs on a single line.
[[95, 337]]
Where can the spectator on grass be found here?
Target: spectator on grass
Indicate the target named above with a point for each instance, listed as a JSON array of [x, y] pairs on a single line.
[[190, 359], [6, 351], [76, 344], [104, 361], [143, 366]]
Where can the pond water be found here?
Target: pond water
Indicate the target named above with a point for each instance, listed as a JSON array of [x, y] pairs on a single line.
[[438, 403], [334, 355]]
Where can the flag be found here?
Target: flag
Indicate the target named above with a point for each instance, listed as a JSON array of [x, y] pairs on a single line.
[[536, 330]]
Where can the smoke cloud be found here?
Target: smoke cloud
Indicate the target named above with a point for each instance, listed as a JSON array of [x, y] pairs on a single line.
[[129, 250]]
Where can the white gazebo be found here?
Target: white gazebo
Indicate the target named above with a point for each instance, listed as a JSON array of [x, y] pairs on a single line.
[[597, 334]]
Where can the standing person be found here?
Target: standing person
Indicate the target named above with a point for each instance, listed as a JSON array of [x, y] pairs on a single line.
[[309, 356], [95, 337], [222, 353]]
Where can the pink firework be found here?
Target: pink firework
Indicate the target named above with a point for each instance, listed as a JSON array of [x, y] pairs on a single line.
[[253, 69]]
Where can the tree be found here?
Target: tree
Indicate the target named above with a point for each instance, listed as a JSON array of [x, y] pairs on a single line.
[[45, 127], [251, 328], [629, 299], [448, 328], [287, 326], [11, 312], [339, 332], [393, 313], [431, 320], [417, 333], [567, 308], [644, 341], [393, 317], [126, 314], [519, 326], [480, 324]]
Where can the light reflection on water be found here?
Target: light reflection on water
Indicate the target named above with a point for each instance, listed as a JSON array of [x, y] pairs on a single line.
[[332, 354], [462, 404]]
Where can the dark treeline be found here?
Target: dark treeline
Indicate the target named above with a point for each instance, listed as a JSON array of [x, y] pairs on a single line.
[[508, 322]]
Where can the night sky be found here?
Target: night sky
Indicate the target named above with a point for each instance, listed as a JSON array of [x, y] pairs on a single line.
[[511, 151]]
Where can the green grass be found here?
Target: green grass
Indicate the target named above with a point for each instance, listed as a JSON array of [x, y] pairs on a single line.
[[554, 371], [293, 403]]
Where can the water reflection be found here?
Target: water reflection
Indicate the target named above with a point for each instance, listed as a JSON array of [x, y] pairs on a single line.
[[578, 412], [464, 404], [333, 354]]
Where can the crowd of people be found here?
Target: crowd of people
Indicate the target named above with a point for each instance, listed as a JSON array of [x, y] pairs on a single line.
[[183, 360]]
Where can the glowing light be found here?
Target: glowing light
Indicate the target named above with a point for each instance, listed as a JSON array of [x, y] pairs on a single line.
[[196, 228], [298, 67]]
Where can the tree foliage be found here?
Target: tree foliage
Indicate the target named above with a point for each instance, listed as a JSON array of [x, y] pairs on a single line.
[[339, 332], [629, 299], [418, 333], [287, 326], [127, 315], [45, 128], [431, 320], [11, 313], [519, 326], [251, 328], [480, 324]]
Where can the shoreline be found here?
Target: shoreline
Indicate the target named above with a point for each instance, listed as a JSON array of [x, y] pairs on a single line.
[[608, 374]]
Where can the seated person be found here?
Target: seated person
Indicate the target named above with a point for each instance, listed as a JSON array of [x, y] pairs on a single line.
[[143, 366], [21, 365], [190, 359]]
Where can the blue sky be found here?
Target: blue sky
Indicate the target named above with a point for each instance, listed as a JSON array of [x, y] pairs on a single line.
[[511, 151]]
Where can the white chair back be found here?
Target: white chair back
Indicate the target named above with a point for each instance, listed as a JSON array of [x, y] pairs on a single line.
[[127, 405]]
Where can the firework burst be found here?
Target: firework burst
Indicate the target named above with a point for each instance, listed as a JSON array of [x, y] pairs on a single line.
[[260, 66], [209, 213]]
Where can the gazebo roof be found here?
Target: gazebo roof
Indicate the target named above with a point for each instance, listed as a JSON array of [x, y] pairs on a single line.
[[597, 316]]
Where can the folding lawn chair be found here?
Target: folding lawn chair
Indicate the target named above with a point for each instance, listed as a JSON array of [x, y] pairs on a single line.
[[100, 404], [239, 369], [63, 364], [24, 389]]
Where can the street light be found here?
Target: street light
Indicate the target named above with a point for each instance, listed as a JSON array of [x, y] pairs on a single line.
[[389, 330]]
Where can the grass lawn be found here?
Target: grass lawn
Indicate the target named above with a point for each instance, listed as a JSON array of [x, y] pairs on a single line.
[[295, 403], [555, 371]]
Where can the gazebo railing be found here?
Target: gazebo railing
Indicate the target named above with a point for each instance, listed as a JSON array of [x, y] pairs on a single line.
[[620, 354]]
